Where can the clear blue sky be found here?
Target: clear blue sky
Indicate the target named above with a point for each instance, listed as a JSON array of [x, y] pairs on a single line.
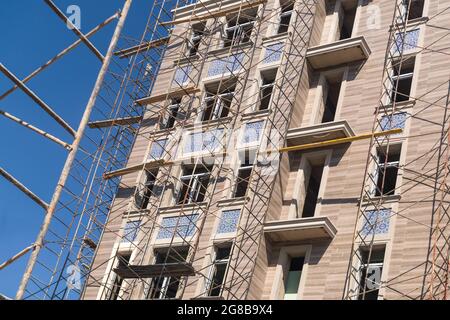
[[30, 35]]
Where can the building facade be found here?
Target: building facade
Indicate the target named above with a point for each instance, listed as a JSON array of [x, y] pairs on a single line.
[[241, 183]]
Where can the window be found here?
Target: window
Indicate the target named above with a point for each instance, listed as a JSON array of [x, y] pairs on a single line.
[[130, 231], [347, 16], [387, 170], [217, 101], [243, 175], [196, 38], [239, 28], [148, 190], [331, 91], [218, 271], [312, 190], [171, 114], [287, 7], [402, 79], [123, 260], [370, 273], [292, 281], [166, 287], [415, 10], [194, 182], [266, 88]]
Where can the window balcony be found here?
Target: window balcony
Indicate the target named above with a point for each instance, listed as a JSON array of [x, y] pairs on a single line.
[[319, 133], [300, 229], [338, 53]]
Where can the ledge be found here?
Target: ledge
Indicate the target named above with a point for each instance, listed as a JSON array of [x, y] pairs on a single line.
[[383, 199], [262, 114], [398, 106], [320, 132], [338, 53], [207, 124], [231, 202], [224, 52], [275, 37], [186, 208], [300, 229]]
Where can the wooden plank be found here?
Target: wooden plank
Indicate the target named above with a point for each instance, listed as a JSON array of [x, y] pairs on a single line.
[[125, 53], [114, 122], [172, 94], [215, 13], [139, 167]]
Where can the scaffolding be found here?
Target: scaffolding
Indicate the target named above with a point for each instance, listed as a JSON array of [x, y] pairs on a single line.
[[107, 187], [423, 176]]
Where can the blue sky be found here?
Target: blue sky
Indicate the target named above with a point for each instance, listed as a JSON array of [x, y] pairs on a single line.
[[30, 35]]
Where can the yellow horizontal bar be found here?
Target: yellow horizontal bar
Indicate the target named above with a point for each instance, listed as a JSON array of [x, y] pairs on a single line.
[[339, 141]]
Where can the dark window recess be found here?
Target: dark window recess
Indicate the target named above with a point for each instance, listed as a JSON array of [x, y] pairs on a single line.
[[416, 8], [123, 261], [293, 277], [198, 31], [266, 89], [387, 179], [239, 28], [219, 269], [347, 22], [148, 190], [243, 178], [194, 185], [171, 114], [167, 287], [331, 101], [312, 191], [217, 102], [402, 80], [370, 272], [287, 7]]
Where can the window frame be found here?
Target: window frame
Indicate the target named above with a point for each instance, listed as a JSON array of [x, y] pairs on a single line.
[[195, 39], [366, 266], [261, 87], [147, 192], [169, 115], [210, 279], [401, 77], [108, 293], [277, 291], [380, 166], [166, 280], [241, 165], [194, 181], [283, 14], [238, 32], [218, 105]]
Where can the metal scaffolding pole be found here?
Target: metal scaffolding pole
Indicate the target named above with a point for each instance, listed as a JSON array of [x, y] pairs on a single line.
[[71, 156]]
